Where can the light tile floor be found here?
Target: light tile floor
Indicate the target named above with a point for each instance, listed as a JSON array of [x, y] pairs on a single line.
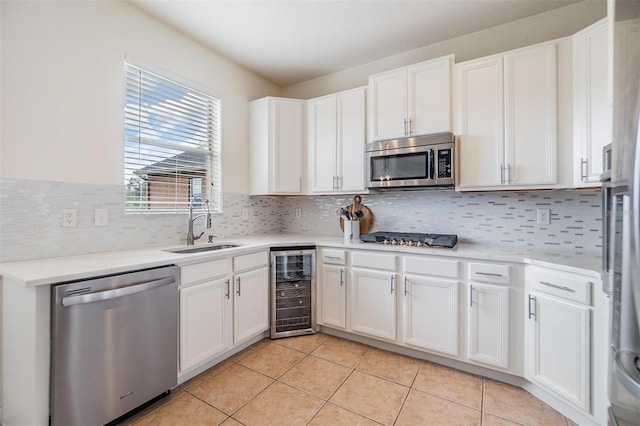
[[325, 380]]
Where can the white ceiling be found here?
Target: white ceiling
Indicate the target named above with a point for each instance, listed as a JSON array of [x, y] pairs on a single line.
[[287, 42]]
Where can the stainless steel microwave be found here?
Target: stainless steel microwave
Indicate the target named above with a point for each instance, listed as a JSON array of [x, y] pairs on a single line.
[[407, 163]]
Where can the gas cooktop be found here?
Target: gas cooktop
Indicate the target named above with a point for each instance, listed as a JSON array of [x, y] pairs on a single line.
[[410, 239]]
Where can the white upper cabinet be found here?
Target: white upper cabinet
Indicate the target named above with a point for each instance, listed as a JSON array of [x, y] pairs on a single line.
[[336, 138], [411, 101], [591, 110], [276, 146], [508, 120]]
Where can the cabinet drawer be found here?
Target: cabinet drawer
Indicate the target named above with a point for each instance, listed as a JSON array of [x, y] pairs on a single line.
[[429, 266], [203, 271], [566, 285], [336, 257], [489, 273], [250, 261], [374, 261]]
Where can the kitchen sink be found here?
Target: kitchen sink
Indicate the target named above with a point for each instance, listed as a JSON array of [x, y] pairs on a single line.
[[200, 249]]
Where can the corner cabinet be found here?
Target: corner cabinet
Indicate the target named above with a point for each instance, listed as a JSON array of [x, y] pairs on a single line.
[[411, 101], [276, 146], [508, 120], [592, 113], [336, 138]]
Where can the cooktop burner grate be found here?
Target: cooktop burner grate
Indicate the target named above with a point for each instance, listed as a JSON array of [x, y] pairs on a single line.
[[411, 239]]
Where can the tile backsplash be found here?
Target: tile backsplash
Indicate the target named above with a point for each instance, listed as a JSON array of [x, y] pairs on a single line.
[[31, 218], [505, 218]]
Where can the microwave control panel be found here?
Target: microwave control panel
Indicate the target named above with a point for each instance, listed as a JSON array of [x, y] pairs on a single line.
[[445, 161]]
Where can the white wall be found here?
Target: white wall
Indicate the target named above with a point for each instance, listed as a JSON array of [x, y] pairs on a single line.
[[524, 32], [62, 89]]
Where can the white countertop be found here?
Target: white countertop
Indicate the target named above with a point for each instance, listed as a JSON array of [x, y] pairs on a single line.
[[55, 270]]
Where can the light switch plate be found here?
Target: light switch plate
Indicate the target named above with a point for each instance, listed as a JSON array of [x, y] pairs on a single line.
[[101, 217]]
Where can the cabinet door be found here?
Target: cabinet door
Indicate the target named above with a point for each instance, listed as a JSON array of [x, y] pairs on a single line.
[[205, 322], [322, 143], [592, 114], [488, 327], [429, 96], [333, 296], [373, 303], [481, 140], [351, 139], [286, 149], [558, 348], [388, 93], [530, 116], [250, 304], [431, 314]]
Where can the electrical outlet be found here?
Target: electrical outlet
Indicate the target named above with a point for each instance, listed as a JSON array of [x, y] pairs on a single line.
[[298, 213], [101, 217], [69, 218], [543, 216], [245, 213]]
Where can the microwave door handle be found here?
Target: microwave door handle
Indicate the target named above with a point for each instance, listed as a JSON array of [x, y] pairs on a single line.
[[430, 164]]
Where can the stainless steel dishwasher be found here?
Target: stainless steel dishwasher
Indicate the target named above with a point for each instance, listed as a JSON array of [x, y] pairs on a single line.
[[114, 344]]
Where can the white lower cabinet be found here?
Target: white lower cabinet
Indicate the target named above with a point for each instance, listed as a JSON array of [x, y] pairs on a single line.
[[431, 314], [333, 312], [558, 335], [219, 310], [250, 298], [373, 303], [205, 322], [488, 325]]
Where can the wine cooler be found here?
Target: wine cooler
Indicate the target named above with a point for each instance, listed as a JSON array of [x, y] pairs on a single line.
[[293, 285]]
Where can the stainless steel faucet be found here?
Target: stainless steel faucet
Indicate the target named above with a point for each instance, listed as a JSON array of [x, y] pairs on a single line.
[[190, 237]]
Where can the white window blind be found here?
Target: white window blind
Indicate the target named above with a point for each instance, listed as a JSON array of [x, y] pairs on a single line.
[[172, 144]]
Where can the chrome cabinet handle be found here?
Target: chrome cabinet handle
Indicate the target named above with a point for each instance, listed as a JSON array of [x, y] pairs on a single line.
[[238, 281], [333, 257], [559, 287], [489, 274], [501, 173], [405, 286], [531, 313], [227, 288], [334, 183], [471, 295], [583, 169], [410, 126], [405, 127], [341, 277], [392, 278], [338, 179], [507, 174]]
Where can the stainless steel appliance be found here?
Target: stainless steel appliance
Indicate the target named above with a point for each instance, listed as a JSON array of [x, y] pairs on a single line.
[[622, 196], [417, 162], [293, 287], [114, 344], [411, 239]]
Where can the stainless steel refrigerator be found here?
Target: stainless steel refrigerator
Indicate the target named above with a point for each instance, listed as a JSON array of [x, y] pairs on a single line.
[[622, 218]]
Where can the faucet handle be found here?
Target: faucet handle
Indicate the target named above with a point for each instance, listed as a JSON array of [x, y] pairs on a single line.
[[211, 237], [199, 236]]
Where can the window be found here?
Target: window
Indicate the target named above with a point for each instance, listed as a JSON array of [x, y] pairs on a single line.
[[171, 146]]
